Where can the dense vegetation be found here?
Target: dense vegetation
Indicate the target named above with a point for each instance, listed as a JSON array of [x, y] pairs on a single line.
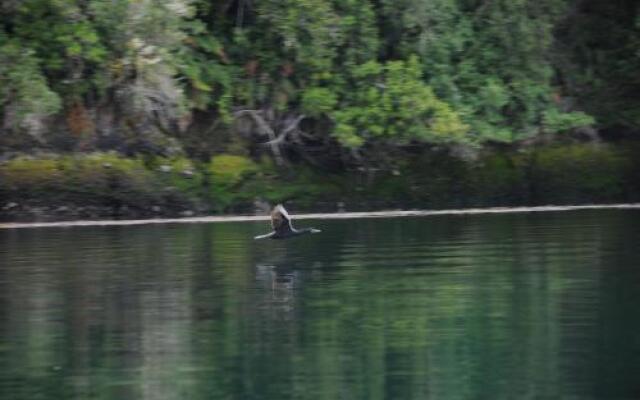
[[325, 86]]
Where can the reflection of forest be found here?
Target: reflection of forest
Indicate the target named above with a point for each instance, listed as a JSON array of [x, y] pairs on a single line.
[[518, 306]]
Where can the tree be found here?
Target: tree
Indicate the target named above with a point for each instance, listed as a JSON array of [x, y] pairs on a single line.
[[25, 97], [390, 102], [597, 60], [489, 60], [81, 55]]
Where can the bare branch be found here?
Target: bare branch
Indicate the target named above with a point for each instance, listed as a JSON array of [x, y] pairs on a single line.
[[306, 135], [293, 125], [291, 128], [266, 129], [277, 140]]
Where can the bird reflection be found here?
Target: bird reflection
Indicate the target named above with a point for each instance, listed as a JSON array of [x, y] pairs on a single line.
[[280, 284]]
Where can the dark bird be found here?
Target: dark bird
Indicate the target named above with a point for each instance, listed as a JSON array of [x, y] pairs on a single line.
[[282, 228]]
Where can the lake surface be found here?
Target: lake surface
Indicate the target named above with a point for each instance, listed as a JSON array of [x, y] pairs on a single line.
[[513, 306]]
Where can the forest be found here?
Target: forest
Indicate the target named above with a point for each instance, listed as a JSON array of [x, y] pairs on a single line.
[[183, 107]]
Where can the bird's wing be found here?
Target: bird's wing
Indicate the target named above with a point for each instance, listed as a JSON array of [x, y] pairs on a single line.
[[280, 220], [265, 236]]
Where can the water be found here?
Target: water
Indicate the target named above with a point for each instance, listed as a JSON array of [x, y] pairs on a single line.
[[522, 306]]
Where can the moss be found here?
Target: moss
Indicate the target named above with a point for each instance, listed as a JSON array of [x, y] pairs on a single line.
[[229, 170], [302, 186], [579, 173], [38, 176], [237, 181], [110, 177], [104, 179], [183, 180], [560, 174], [227, 173], [497, 179]]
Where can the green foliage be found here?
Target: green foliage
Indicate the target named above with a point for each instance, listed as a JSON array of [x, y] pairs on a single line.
[[483, 73], [598, 59], [391, 102], [65, 40], [489, 60], [305, 30], [318, 100], [360, 39], [93, 53], [23, 88], [202, 64], [370, 74], [557, 122]]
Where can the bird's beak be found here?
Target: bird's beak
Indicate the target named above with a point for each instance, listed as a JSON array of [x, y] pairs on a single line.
[[313, 230]]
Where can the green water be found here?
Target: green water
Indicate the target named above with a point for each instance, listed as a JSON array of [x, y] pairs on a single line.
[[518, 306]]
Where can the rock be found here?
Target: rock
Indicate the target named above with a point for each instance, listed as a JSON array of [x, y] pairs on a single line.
[[165, 168]]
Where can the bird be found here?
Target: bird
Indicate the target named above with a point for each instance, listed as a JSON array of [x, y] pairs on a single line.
[[282, 227]]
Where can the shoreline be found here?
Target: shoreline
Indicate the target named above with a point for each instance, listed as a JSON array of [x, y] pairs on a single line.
[[338, 215]]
